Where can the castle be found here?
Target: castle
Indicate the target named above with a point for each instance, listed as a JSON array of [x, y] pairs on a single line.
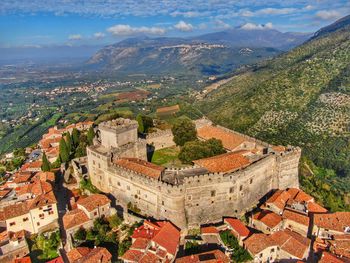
[[224, 185]]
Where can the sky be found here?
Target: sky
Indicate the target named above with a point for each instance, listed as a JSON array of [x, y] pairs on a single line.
[[39, 23]]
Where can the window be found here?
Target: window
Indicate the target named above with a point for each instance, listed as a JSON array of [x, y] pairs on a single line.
[[162, 202], [94, 162], [232, 189], [99, 165], [25, 219], [241, 188], [95, 213], [12, 223], [272, 250], [38, 223], [251, 180], [118, 183], [189, 197], [212, 193]]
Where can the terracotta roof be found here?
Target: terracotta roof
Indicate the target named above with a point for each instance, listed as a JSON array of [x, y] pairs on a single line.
[[132, 255], [258, 242], [140, 243], [149, 257], [36, 188], [316, 208], [209, 230], [340, 247], [14, 210], [229, 140], [56, 260], [4, 193], [32, 165], [268, 218], [209, 257], [22, 177], [335, 221], [44, 176], [237, 226], [291, 242], [327, 257], [91, 202], [296, 217], [141, 166], [22, 260], [74, 218], [165, 234], [223, 163], [98, 254], [77, 253], [279, 199]]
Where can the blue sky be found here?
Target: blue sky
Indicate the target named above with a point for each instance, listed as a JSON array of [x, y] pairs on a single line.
[[99, 22]]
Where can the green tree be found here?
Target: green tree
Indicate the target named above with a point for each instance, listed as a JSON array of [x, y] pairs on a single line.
[[69, 142], [195, 150], [141, 128], [64, 153], [80, 234], [90, 135], [46, 166], [75, 136], [184, 131]]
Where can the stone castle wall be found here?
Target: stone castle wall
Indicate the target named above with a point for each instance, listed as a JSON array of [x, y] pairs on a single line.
[[161, 139]]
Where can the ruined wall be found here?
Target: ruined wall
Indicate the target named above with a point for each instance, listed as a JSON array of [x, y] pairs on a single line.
[[161, 139]]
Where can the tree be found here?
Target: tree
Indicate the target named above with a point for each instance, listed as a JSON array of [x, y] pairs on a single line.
[[200, 149], [69, 142], [46, 166], [90, 135], [64, 154], [80, 234], [75, 136], [184, 131], [141, 128], [147, 122]]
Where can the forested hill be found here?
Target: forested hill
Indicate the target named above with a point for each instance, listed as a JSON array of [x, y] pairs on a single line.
[[300, 98]]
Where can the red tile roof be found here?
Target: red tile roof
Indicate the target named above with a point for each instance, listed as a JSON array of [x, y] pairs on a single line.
[[77, 253], [149, 257], [91, 202], [44, 176], [56, 260], [335, 221], [98, 254], [291, 242], [132, 255], [74, 218], [268, 218], [213, 256], [327, 257], [279, 199], [22, 260], [226, 162], [229, 140], [31, 166], [315, 208], [296, 217], [209, 230], [141, 167], [237, 226], [140, 243]]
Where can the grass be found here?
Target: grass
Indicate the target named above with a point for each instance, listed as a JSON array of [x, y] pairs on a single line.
[[167, 156]]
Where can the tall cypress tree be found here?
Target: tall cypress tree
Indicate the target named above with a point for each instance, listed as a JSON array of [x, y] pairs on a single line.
[[141, 127], [75, 136], [69, 142], [90, 135], [64, 154], [45, 167]]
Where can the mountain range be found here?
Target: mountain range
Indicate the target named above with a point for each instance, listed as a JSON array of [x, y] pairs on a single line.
[[214, 53]]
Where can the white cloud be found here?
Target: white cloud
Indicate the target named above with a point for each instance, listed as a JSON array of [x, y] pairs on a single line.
[[251, 26], [275, 11], [183, 26], [328, 15], [99, 35], [188, 14], [127, 30], [219, 24], [75, 37]]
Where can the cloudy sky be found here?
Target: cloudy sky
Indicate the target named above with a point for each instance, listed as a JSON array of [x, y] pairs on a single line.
[[98, 22]]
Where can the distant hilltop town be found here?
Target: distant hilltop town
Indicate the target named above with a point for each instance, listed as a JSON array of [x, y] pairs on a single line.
[[225, 185], [110, 203]]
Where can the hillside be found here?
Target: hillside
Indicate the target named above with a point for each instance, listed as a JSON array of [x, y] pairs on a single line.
[[300, 98]]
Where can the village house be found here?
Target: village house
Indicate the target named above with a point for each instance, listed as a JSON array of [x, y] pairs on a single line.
[[210, 256], [266, 221], [238, 229], [89, 255], [327, 225], [88, 209], [13, 245], [279, 245], [153, 242]]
